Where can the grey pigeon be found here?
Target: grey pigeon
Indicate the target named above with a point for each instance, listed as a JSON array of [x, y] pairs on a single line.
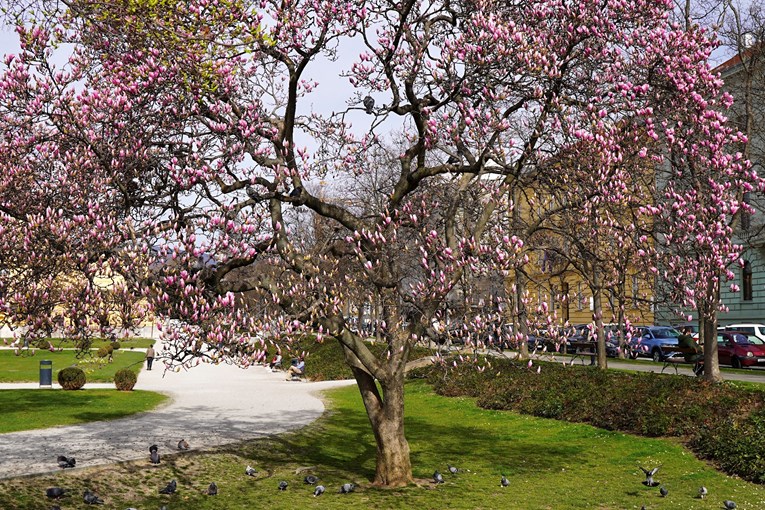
[[169, 488], [154, 454], [369, 105], [319, 490], [310, 480], [250, 471], [504, 482], [438, 477], [663, 491], [91, 499], [212, 490], [730, 505], [702, 492], [55, 492], [183, 444], [347, 488], [453, 470], [649, 473], [66, 462], [282, 485]]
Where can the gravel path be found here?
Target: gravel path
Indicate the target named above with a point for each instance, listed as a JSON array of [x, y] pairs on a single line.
[[210, 406]]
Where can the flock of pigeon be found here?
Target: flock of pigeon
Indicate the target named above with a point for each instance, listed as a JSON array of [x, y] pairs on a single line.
[[663, 491], [90, 498]]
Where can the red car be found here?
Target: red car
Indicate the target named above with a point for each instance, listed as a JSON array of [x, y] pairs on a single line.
[[739, 350]]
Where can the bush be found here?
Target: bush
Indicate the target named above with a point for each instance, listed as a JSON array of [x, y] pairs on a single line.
[[721, 423], [125, 379], [115, 345], [105, 351], [71, 378]]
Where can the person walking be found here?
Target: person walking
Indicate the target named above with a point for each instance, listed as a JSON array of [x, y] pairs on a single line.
[[150, 356]]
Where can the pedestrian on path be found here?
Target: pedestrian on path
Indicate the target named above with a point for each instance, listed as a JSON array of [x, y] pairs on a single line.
[[150, 356]]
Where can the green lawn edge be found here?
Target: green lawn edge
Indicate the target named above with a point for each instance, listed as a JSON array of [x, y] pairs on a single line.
[[30, 409]]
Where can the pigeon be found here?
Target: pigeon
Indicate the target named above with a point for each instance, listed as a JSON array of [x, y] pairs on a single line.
[[282, 485], [91, 499], [504, 482], [453, 470], [250, 471], [663, 491], [212, 490], [55, 492], [310, 480], [438, 477], [369, 105], [347, 488], [154, 454], [702, 492], [66, 462], [730, 505], [319, 490], [649, 476], [183, 444], [169, 488]]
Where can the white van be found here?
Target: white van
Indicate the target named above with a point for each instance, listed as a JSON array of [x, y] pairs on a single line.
[[756, 330]]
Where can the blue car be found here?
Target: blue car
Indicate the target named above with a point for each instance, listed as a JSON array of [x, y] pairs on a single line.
[[651, 341]]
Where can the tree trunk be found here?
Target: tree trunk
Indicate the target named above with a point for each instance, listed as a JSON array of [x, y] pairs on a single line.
[[386, 415], [597, 313], [519, 314], [711, 364]]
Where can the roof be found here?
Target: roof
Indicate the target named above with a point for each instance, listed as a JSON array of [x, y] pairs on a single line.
[[735, 61]]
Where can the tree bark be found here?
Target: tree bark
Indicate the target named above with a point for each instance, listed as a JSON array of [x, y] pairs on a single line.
[[386, 415]]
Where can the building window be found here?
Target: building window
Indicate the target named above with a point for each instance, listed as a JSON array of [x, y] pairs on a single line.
[[746, 283], [564, 300], [746, 217], [635, 290]]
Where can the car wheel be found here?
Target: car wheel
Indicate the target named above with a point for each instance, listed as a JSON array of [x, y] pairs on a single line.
[[735, 362], [656, 355]]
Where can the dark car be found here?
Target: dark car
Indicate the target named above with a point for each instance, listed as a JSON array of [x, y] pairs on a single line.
[[739, 350], [583, 333], [652, 341]]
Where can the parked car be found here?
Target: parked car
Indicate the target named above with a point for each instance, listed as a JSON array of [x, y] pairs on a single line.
[[749, 329], [740, 350], [650, 341]]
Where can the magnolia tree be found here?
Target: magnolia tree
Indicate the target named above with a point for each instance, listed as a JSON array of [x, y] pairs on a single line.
[[173, 146]]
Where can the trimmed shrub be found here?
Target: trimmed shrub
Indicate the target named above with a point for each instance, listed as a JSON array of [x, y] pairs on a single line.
[[71, 378], [125, 379], [115, 345], [104, 352], [720, 422]]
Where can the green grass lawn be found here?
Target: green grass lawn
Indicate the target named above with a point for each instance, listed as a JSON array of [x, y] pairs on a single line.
[[550, 465], [36, 409], [27, 368]]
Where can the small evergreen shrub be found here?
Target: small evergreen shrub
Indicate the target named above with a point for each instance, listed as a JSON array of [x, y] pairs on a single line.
[[115, 345], [71, 378], [125, 379], [104, 352]]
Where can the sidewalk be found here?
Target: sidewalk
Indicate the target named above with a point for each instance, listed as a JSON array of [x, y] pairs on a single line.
[[210, 405]]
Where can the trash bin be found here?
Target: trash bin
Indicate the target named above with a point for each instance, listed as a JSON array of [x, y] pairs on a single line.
[[46, 373]]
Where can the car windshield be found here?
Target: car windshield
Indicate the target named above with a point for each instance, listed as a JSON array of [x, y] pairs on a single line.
[[747, 340], [665, 333]]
